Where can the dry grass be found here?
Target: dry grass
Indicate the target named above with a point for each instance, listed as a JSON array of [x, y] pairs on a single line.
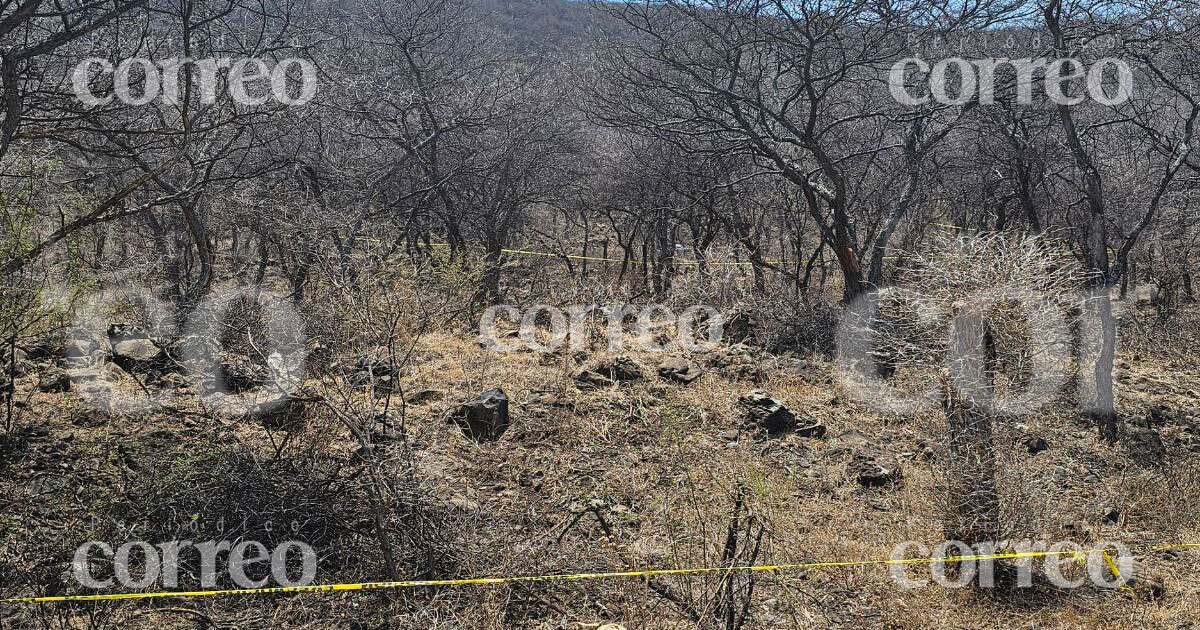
[[667, 459], [660, 463]]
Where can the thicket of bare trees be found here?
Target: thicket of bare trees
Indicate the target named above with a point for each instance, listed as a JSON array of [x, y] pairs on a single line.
[[664, 138], [765, 131]]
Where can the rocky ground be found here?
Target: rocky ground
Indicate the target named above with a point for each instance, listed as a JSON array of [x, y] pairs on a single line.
[[602, 462]]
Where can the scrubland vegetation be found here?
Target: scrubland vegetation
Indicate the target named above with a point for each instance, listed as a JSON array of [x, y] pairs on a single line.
[[258, 319]]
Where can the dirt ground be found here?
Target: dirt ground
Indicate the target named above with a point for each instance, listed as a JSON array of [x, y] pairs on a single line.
[[641, 474]]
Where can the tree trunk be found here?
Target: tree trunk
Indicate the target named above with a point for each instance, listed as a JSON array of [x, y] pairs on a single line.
[[491, 275], [1095, 247], [1024, 185], [204, 253]]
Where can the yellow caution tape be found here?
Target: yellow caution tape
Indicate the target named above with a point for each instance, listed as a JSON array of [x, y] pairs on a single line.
[[363, 586]]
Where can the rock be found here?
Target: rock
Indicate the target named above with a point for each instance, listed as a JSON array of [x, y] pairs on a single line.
[[1159, 417], [35, 433], [464, 504], [1146, 586], [85, 350], [1110, 514], [425, 396], [240, 373], [54, 380], [1145, 447], [848, 442], [544, 398], [284, 414], [765, 412], [621, 369], [590, 379], [872, 468], [136, 352], [485, 418], [811, 428], [679, 370], [373, 368], [739, 327], [1035, 444]]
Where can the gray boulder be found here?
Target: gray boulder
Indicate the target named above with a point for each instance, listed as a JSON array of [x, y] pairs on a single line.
[[86, 350], [484, 419], [765, 412], [588, 379], [872, 468], [620, 369], [679, 370], [739, 327], [605, 373], [284, 414], [810, 428], [425, 396], [136, 351], [54, 380]]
